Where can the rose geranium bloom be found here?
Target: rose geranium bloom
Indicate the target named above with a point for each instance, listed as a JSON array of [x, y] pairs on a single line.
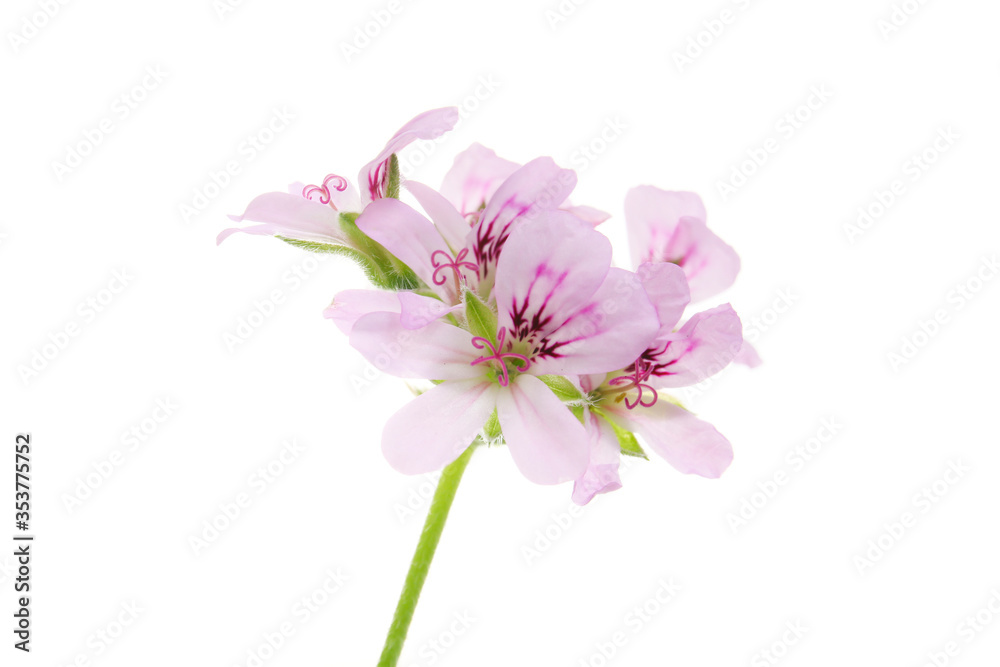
[[561, 309]]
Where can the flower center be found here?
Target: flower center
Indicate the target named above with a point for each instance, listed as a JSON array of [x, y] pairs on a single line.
[[497, 354], [321, 193]]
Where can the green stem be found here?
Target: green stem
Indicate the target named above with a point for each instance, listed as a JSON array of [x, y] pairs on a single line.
[[421, 563]]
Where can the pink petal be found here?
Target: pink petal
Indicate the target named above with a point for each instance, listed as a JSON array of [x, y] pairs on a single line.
[[609, 332], [437, 351], [710, 264], [475, 177], [550, 269], [548, 443], [748, 356], [449, 222], [706, 344], [588, 214], [601, 475], [350, 305], [416, 311], [651, 216], [528, 193], [433, 429], [689, 444], [284, 214], [413, 239], [428, 125], [667, 289]]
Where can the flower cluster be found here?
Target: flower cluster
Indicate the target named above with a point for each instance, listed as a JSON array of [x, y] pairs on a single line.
[[502, 295]]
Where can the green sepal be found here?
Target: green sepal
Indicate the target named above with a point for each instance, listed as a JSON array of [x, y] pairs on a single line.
[[480, 317], [561, 387], [372, 271], [492, 428], [626, 440], [393, 274], [392, 182]]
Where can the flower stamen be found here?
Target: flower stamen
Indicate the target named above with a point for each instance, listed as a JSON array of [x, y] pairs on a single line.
[[497, 354], [637, 380], [325, 196], [456, 265]]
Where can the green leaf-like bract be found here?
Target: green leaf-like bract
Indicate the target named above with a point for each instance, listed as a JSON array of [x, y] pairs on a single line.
[[626, 440], [561, 387], [392, 182], [481, 318]]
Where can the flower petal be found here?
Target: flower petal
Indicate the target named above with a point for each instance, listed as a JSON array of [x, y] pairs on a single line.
[[437, 351], [350, 305], [706, 344], [609, 332], [710, 264], [748, 356], [433, 429], [601, 475], [428, 125], [554, 266], [474, 177], [588, 214], [285, 214], [689, 444], [535, 188], [651, 216], [667, 289], [449, 222], [416, 311], [548, 443]]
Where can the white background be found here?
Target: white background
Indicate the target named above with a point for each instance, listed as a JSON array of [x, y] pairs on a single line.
[[554, 85]]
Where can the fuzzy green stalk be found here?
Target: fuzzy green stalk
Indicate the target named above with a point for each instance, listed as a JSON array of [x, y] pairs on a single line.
[[421, 563]]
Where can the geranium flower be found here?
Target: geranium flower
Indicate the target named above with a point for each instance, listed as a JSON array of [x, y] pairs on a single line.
[[561, 309], [630, 399], [312, 213]]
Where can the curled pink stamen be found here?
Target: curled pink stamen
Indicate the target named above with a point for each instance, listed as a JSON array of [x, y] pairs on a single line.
[[455, 265], [325, 196], [638, 381], [497, 354]]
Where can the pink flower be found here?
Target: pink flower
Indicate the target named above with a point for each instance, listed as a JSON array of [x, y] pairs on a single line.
[[670, 227], [630, 399], [449, 254], [561, 308], [476, 175], [311, 213]]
